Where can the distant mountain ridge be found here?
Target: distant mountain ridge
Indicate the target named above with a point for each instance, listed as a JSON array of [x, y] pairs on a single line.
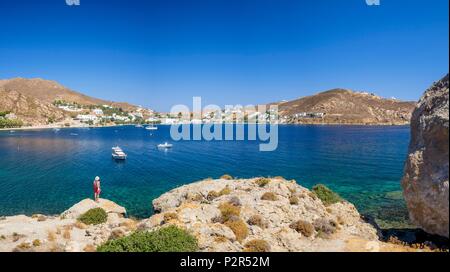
[[343, 106], [32, 99]]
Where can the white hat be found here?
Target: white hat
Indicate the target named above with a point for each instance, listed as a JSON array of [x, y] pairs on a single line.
[[97, 178]]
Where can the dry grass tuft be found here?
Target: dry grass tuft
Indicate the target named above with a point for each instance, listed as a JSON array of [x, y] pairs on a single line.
[[305, 228], [257, 246], [257, 220], [89, 248], [269, 196], [227, 177], [220, 239], [325, 227], [16, 237], [36, 242], [225, 191], [170, 216], [228, 211], [212, 195], [239, 229], [261, 182], [79, 225], [293, 200]]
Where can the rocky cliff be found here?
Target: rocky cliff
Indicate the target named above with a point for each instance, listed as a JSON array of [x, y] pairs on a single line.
[[425, 182]]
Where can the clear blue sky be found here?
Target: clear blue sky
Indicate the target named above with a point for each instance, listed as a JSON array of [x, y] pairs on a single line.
[[160, 53]]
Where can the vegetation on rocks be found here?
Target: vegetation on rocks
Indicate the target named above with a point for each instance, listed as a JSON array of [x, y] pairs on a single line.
[[325, 227], [227, 177], [170, 216], [94, 217], [228, 211], [261, 182], [225, 191], [305, 228], [257, 220], [212, 195], [269, 196], [257, 246], [168, 239], [326, 195], [293, 200], [238, 227], [36, 242], [14, 123]]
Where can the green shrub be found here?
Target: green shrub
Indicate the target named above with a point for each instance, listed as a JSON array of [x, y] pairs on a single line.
[[327, 196], [261, 182], [7, 123], [169, 239], [4, 113], [93, 217]]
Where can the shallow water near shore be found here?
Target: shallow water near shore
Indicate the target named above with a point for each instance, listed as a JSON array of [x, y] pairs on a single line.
[[47, 171]]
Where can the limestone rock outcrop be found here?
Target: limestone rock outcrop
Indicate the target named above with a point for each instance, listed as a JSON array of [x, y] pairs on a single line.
[[86, 204], [274, 218], [43, 233], [425, 181]]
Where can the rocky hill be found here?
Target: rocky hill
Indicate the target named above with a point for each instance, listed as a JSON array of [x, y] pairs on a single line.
[[32, 99], [341, 106], [231, 215]]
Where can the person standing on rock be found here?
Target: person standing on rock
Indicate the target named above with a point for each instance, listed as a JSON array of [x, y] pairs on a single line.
[[97, 189]]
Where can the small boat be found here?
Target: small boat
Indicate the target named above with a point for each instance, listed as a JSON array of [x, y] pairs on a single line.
[[165, 145], [56, 129], [118, 154], [152, 127], [138, 126]]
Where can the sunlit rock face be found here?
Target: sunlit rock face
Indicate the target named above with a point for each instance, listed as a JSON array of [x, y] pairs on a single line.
[[425, 182]]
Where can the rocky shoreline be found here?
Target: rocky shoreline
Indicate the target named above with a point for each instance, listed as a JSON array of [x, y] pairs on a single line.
[[223, 215]]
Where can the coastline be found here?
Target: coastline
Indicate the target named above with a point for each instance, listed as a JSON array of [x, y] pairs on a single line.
[[43, 127], [265, 209]]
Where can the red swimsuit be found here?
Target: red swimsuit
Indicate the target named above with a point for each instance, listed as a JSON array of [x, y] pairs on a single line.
[[96, 187]]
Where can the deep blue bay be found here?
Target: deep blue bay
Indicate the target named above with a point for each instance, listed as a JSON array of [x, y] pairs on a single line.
[[48, 171]]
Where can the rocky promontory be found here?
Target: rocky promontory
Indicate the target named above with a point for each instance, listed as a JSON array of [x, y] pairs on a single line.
[[425, 182], [226, 215], [65, 232]]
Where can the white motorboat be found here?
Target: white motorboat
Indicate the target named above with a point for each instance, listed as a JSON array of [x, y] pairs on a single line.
[[138, 126], [152, 127], [118, 154], [165, 145]]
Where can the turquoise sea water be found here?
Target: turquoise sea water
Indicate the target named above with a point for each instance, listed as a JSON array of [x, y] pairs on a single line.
[[47, 171]]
